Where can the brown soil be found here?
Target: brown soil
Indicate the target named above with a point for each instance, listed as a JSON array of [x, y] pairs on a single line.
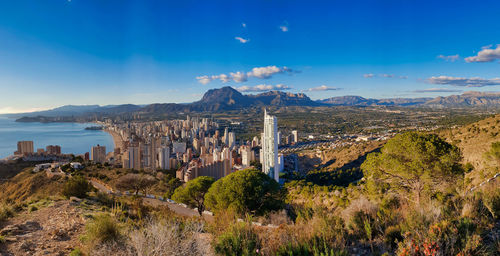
[[53, 230]]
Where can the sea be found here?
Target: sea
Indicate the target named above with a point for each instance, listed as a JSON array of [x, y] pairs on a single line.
[[72, 137]]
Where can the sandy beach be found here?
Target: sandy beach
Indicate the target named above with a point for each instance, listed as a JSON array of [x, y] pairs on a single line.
[[117, 138]]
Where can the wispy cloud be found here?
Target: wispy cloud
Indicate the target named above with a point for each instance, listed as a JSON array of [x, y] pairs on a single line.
[[244, 25], [430, 90], [284, 27], [263, 88], [450, 58], [463, 82], [238, 77], [384, 76], [487, 54], [323, 88], [242, 40], [11, 110]]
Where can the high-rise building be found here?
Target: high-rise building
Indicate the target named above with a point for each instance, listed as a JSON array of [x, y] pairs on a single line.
[[25, 147], [270, 146], [295, 136], [134, 158], [179, 147], [53, 149], [226, 137], [247, 156], [164, 158], [98, 154], [232, 139]]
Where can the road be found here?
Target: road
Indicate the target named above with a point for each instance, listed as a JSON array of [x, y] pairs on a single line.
[[179, 209]]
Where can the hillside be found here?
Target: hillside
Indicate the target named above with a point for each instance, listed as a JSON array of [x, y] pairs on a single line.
[[474, 140]]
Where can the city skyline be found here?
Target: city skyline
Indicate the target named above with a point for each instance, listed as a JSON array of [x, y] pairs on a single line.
[[136, 52]]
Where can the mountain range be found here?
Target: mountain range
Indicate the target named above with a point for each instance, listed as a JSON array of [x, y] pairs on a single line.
[[227, 98]]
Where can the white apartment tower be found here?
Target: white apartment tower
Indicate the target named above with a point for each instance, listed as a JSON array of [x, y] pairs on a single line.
[[270, 146]]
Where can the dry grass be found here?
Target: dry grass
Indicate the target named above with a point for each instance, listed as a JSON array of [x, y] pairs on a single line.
[[27, 185], [474, 140]]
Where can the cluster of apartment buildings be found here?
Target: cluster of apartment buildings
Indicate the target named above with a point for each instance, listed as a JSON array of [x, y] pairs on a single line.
[[195, 147], [25, 148]]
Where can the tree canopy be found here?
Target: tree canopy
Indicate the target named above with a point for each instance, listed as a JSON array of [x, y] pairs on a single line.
[[413, 162], [193, 193], [76, 186], [246, 191], [136, 182]]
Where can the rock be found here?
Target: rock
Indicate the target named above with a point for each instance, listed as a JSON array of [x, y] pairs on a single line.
[[75, 199]]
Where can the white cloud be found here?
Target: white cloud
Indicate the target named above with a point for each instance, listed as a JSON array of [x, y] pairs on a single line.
[[436, 90], [450, 58], [244, 25], [323, 88], [384, 75], [266, 72], [204, 79], [487, 54], [242, 40], [257, 72], [239, 77], [463, 82], [263, 88], [284, 27]]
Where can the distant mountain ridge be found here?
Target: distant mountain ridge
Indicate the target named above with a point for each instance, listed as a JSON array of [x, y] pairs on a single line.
[[227, 98], [351, 100]]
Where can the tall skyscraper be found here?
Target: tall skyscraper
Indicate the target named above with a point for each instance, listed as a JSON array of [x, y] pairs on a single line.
[[25, 147], [164, 158], [134, 158], [98, 154], [295, 136], [232, 139], [270, 146]]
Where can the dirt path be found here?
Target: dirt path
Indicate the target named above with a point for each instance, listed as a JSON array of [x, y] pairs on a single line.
[[53, 230]]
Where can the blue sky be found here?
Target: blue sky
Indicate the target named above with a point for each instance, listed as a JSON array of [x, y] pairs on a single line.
[[57, 52]]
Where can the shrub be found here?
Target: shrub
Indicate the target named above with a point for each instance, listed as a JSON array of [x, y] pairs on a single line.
[[2, 239], [102, 229], [392, 237], [76, 252], [240, 239], [76, 186], [167, 238], [105, 199], [32, 208], [6, 212], [246, 191]]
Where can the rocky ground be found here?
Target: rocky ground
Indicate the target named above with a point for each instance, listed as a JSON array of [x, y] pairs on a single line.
[[53, 230]]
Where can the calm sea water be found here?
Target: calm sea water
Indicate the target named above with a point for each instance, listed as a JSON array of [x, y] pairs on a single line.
[[72, 137]]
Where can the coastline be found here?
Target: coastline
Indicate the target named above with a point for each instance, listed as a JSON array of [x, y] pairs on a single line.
[[117, 138]]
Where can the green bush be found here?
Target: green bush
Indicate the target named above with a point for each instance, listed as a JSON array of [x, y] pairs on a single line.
[[103, 228], [240, 239], [76, 186], [305, 249], [5, 212], [245, 191], [393, 236], [76, 252]]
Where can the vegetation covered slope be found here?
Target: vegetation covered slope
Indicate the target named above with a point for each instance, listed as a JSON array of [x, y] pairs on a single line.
[[474, 141]]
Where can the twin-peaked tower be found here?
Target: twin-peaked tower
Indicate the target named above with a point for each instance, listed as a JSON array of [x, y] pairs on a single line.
[[270, 146]]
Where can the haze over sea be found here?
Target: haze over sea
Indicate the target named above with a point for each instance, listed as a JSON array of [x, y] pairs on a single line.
[[72, 137]]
